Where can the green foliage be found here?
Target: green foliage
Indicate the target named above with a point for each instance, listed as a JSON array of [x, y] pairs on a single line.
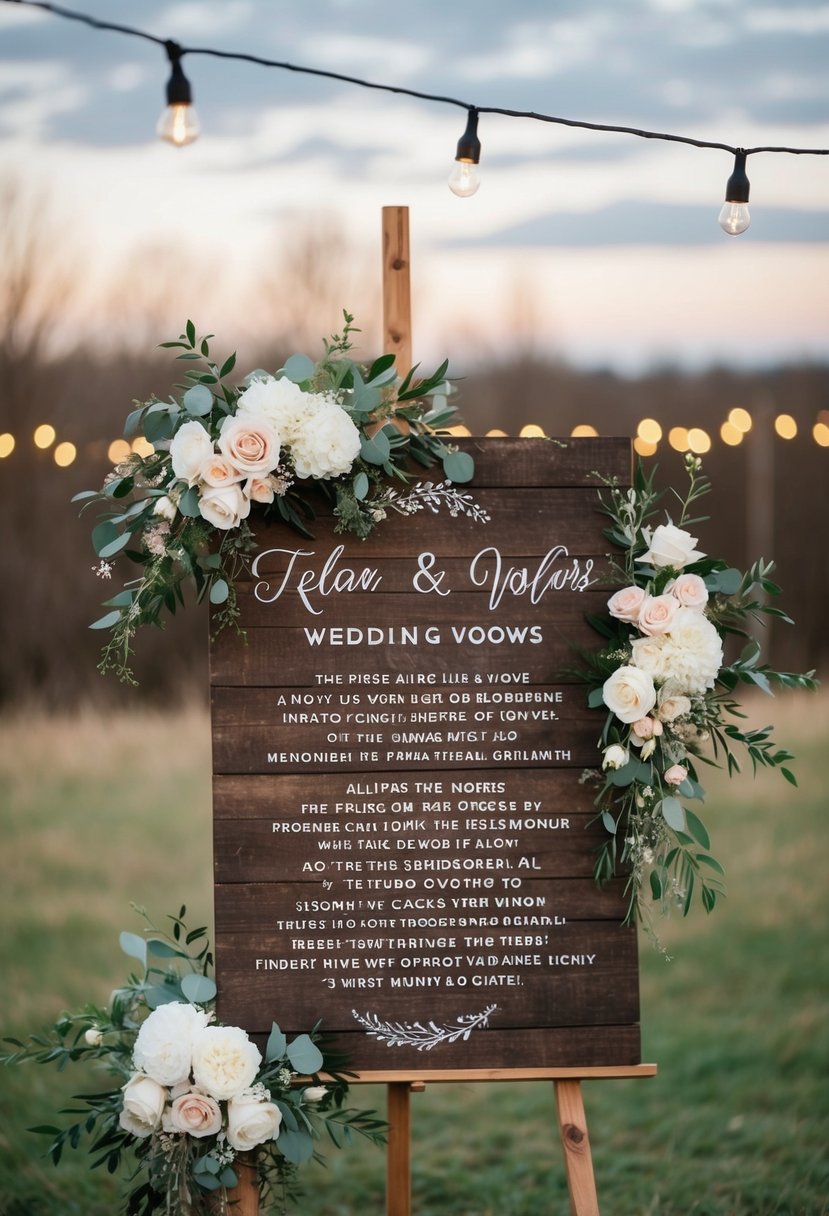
[[177, 532]]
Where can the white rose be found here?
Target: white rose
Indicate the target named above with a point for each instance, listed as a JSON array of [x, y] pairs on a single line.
[[694, 652], [615, 756], [165, 508], [224, 506], [670, 546], [327, 442], [656, 614], [689, 590], [196, 1114], [626, 603], [629, 694], [164, 1044], [144, 1101], [251, 444], [251, 1122], [278, 402], [225, 1061], [93, 1037], [218, 471], [260, 489], [190, 447], [650, 655], [314, 1093]]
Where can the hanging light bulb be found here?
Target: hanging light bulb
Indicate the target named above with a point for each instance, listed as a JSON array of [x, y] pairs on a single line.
[[734, 216], [465, 179], [179, 123]]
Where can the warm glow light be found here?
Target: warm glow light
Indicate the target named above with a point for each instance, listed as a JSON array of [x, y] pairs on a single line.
[[6, 444], [584, 431], [785, 426], [532, 431], [496, 434], [642, 447], [649, 431], [730, 435], [699, 441], [678, 438], [741, 419], [118, 450], [458, 430], [820, 434], [65, 453], [141, 447], [44, 435]]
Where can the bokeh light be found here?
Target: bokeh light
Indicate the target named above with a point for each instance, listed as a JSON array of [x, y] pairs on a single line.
[[532, 431], [642, 447], [44, 435], [786, 426], [65, 454], [730, 434], [496, 434], [141, 447], [678, 438], [118, 450], [699, 441], [820, 434], [6, 444], [649, 431], [584, 431], [740, 419]]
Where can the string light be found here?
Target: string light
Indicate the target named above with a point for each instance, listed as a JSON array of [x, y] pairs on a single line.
[[820, 434], [678, 438], [642, 447], [65, 454], [142, 447], [465, 179], [740, 419], [734, 216], [44, 435], [584, 431], [785, 426], [649, 431], [733, 223], [118, 450], [699, 441], [6, 444], [532, 431], [179, 122], [731, 435]]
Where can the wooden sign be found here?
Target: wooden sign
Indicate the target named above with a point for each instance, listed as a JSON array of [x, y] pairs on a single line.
[[404, 846]]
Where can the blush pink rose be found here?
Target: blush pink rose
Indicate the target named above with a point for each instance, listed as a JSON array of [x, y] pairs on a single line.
[[646, 728], [676, 774], [689, 590], [656, 614], [196, 1114], [250, 444], [626, 604]]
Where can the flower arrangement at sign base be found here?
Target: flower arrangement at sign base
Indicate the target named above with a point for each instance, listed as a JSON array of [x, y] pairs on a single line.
[[190, 1095], [668, 690], [225, 451]]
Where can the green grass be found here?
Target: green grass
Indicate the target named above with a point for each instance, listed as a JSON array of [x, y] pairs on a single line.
[[101, 811]]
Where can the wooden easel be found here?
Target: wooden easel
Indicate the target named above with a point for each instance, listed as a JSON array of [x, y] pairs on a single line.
[[572, 1122]]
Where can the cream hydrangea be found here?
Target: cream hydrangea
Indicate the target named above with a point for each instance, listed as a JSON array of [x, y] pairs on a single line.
[[278, 402], [164, 1045], [225, 1061], [326, 442], [694, 652]]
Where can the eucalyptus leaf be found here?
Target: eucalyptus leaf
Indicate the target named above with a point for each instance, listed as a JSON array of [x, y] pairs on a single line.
[[162, 949], [116, 545], [595, 698], [162, 994], [673, 812], [459, 467], [609, 822], [106, 622], [188, 504], [198, 400], [360, 486], [375, 449], [134, 946], [219, 591], [276, 1045], [198, 988], [304, 1055], [104, 534], [299, 368], [296, 1147]]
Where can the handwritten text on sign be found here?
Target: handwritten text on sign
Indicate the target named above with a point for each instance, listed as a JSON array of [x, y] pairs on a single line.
[[404, 843]]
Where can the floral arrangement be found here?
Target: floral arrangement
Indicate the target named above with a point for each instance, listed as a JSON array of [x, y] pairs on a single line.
[[191, 1095], [182, 513], [664, 680]]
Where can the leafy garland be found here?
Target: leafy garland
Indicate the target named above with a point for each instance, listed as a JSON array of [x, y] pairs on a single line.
[[181, 513], [662, 677], [173, 1109]]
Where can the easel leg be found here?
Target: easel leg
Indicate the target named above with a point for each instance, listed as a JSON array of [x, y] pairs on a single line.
[[244, 1198], [578, 1161], [398, 1151]]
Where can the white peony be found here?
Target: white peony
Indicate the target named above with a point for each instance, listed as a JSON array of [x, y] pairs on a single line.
[[650, 655], [163, 1048], [326, 442], [694, 652], [224, 506], [670, 546], [144, 1102], [251, 1121], [278, 402], [225, 1061], [629, 694], [190, 447], [251, 445]]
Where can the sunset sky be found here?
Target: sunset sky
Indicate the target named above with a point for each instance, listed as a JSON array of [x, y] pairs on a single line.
[[603, 249]]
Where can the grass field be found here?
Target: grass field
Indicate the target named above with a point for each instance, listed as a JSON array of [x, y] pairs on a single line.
[[98, 812]]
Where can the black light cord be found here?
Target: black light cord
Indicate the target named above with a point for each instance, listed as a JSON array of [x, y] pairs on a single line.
[[95, 23]]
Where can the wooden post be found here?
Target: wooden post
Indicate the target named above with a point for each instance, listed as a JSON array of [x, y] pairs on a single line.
[[578, 1161], [397, 290], [244, 1198], [399, 1150]]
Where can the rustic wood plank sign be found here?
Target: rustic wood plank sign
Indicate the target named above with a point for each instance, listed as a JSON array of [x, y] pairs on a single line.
[[403, 844]]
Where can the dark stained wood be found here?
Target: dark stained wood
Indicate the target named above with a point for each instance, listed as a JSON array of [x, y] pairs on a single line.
[[402, 833]]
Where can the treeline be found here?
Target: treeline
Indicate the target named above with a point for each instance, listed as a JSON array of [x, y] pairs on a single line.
[[768, 492]]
